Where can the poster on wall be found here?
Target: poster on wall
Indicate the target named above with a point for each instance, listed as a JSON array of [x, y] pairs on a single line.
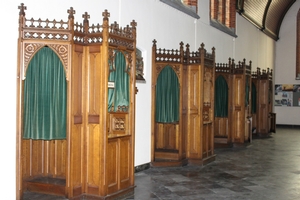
[[287, 95]]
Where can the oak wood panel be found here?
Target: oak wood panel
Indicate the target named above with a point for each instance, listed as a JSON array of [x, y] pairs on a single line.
[[194, 102], [263, 111], [238, 127], [221, 127], [44, 158], [167, 136], [93, 155], [94, 92], [112, 162], [125, 160], [75, 180]]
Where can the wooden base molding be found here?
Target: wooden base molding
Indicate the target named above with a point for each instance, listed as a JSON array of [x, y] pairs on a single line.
[[47, 185]]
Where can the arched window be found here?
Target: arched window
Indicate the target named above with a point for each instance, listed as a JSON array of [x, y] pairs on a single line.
[[45, 97], [222, 15]]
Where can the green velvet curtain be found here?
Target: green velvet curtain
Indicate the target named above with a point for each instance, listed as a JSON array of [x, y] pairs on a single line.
[[247, 88], [221, 97], [118, 96], [253, 96], [167, 96], [45, 97]]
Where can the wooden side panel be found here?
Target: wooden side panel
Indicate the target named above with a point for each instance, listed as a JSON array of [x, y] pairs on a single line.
[[112, 162], [76, 136], [166, 136], [194, 133], [221, 127], [238, 112], [263, 113], [44, 158], [125, 159], [207, 143], [93, 133], [119, 170]]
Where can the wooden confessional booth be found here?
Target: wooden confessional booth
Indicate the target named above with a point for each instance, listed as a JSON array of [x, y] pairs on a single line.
[[76, 107], [232, 104], [182, 106], [264, 120]]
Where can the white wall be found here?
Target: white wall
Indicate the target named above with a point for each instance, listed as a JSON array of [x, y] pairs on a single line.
[[285, 64], [155, 20]]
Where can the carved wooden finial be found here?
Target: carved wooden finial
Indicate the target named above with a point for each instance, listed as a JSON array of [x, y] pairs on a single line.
[[202, 45], [85, 17], [187, 46], [22, 9], [133, 23], [154, 42], [115, 26], [105, 15], [71, 12]]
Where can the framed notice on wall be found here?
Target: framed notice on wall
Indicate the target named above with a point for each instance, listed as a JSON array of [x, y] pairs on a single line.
[[287, 95]]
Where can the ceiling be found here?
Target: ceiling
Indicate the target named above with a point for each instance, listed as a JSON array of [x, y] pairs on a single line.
[[267, 15]]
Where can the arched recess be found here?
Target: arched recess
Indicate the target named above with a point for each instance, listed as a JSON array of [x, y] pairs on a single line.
[[45, 97], [43, 85], [167, 97], [167, 104], [221, 97], [223, 101]]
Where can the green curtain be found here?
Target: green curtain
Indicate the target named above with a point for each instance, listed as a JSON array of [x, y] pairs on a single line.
[[167, 96], [247, 88], [45, 97], [118, 96], [221, 97], [253, 96]]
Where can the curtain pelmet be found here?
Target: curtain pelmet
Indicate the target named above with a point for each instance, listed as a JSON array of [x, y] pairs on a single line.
[[45, 97]]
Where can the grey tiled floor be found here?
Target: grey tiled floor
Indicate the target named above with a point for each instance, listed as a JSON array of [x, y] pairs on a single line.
[[268, 169]]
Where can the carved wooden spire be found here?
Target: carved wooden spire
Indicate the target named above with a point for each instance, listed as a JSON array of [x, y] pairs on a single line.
[[22, 9], [105, 15], [133, 24], [71, 12], [85, 17]]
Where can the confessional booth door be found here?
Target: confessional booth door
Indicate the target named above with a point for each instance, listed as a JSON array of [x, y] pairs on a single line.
[[263, 124], [222, 133], [200, 105], [239, 111], [44, 106], [120, 121], [167, 103]]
